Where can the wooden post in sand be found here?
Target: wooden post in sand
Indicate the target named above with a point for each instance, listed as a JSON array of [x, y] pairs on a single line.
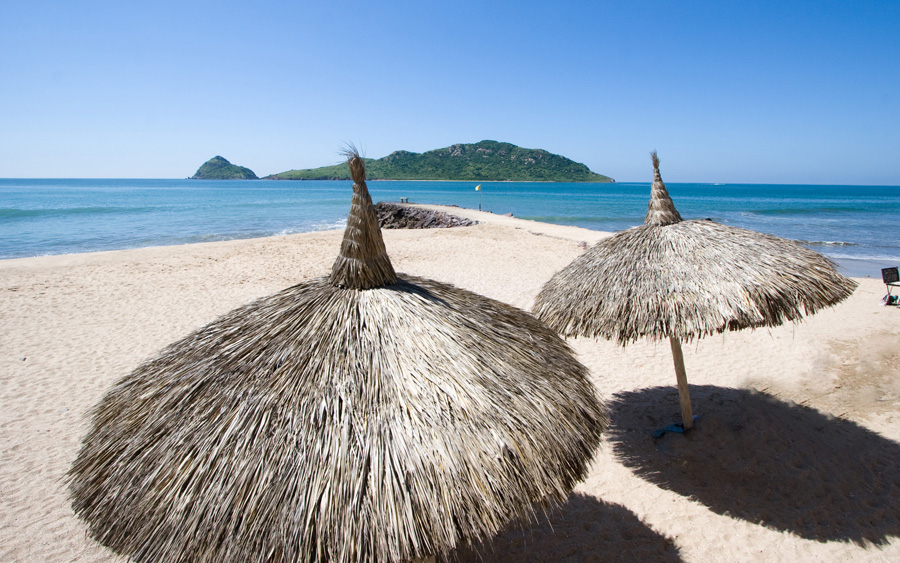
[[684, 395]]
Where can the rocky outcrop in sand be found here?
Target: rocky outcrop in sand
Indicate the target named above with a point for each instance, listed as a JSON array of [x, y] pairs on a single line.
[[399, 216]]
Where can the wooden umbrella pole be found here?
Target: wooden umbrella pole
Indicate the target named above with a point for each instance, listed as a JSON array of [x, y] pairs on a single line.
[[684, 395]]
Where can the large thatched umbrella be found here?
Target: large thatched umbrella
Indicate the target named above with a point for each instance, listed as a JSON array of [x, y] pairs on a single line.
[[676, 279], [360, 416]]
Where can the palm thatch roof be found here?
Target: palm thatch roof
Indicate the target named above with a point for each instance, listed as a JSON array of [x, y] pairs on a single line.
[[686, 279], [677, 279], [361, 416]]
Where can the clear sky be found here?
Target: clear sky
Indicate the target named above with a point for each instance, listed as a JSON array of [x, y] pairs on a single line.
[[758, 92]]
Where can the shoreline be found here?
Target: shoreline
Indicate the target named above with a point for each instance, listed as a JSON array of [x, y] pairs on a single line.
[[860, 269], [850, 267], [74, 324]]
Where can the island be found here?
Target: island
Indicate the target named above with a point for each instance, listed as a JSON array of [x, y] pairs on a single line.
[[218, 168], [478, 162]]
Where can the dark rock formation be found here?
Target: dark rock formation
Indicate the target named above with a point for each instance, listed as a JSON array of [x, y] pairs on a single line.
[[398, 216]]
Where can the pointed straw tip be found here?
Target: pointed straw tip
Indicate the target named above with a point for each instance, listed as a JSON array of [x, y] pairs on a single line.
[[363, 262], [661, 210], [356, 163]]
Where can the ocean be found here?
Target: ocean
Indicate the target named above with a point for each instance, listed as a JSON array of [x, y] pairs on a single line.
[[856, 226]]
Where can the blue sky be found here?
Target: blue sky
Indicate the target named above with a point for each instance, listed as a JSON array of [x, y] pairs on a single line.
[[758, 92]]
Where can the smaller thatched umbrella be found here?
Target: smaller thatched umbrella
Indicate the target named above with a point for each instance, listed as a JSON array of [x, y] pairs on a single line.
[[358, 417], [680, 280]]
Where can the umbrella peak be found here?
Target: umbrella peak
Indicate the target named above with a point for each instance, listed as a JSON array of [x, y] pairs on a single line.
[[661, 210], [363, 262]]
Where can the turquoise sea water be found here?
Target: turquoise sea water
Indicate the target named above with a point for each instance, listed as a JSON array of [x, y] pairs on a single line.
[[857, 226]]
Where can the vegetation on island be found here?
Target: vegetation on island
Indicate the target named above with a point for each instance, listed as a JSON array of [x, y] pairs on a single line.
[[478, 162], [217, 168]]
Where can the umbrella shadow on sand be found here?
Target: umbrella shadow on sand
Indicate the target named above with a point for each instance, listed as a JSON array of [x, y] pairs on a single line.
[[752, 456], [585, 529]]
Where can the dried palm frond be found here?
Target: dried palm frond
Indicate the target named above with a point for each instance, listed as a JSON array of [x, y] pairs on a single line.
[[355, 417], [660, 210], [681, 280], [687, 279]]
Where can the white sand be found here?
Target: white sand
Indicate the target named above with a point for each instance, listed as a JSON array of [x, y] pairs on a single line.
[[807, 471]]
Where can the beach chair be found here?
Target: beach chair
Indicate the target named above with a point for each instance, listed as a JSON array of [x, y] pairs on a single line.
[[891, 279]]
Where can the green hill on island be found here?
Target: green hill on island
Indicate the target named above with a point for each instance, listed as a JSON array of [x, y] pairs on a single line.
[[217, 168], [478, 162]]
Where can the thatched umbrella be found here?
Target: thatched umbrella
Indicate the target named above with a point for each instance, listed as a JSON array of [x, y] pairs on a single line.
[[361, 416], [676, 279]]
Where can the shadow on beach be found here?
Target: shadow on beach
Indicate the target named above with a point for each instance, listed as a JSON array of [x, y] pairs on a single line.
[[585, 529], [752, 456]]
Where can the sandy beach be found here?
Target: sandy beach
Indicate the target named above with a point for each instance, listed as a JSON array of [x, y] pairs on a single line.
[[796, 456]]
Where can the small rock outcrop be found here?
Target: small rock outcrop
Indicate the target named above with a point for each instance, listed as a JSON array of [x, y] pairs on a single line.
[[398, 216], [218, 168]]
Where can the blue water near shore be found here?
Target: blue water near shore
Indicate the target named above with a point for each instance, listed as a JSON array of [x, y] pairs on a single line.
[[857, 226]]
